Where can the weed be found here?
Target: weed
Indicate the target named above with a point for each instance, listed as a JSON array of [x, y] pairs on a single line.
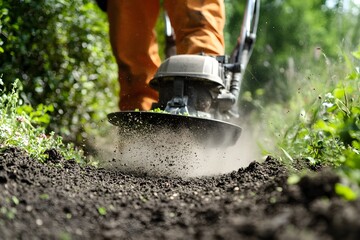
[[44, 196], [102, 211], [15, 200], [345, 192], [23, 126], [320, 124], [65, 236], [9, 213]]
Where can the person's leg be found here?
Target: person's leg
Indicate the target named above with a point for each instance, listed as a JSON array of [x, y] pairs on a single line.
[[134, 46], [198, 25]]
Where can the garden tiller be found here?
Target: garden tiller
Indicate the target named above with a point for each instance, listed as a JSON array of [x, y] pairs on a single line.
[[197, 93]]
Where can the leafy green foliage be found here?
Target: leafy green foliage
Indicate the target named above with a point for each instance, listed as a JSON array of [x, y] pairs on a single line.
[[24, 127], [60, 52], [335, 121], [329, 131], [291, 37]]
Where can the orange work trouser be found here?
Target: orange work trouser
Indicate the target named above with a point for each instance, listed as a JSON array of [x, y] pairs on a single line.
[[198, 26]]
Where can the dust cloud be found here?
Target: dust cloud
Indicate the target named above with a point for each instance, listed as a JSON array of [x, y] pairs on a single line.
[[173, 154]]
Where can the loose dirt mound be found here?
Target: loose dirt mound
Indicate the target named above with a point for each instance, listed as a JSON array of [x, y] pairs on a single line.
[[62, 200]]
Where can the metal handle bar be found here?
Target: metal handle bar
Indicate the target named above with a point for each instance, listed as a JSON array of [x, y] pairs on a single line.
[[247, 36]]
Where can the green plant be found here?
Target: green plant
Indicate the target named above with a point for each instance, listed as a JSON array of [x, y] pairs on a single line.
[[335, 119], [8, 207], [102, 211], [346, 192], [60, 51], [328, 132], [9, 213], [24, 127], [44, 196]]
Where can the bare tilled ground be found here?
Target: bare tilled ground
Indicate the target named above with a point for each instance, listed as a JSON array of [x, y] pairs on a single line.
[[61, 200]]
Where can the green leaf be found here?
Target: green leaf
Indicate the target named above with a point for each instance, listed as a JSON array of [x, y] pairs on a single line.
[[44, 196], [287, 155], [15, 200], [102, 211], [293, 179], [311, 160], [353, 76], [324, 126], [339, 92], [352, 158], [345, 192], [356, 54]]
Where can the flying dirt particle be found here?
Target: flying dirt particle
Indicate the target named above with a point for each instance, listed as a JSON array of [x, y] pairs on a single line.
[[177, 154], [39, 222]]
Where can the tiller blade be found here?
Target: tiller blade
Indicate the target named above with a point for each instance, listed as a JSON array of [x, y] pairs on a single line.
[[206, 132]]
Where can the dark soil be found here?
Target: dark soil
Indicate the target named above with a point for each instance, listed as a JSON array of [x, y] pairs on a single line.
[[61, 200]]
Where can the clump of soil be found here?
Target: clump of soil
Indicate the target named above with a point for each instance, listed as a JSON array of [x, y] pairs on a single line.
[[62, 200]]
